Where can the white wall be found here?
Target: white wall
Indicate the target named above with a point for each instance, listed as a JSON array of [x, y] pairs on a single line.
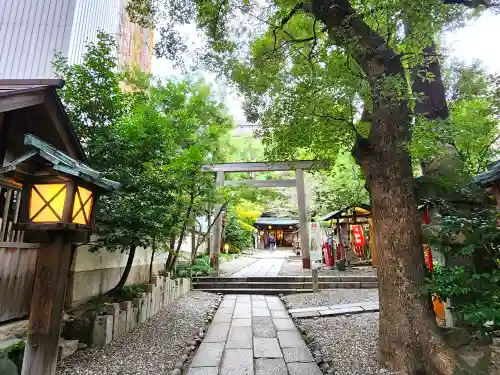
[[90, 17], [32, 31]]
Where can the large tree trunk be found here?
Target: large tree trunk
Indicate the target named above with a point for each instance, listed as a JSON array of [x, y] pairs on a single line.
[[409, 341], [126, 272]]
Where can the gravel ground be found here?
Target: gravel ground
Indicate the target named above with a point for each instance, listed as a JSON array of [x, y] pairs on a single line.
[[152, 348], [293, 267], [350, 342], [331, 297]]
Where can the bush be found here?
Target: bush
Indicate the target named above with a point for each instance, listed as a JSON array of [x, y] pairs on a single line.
[[474, 289], [128, 292], [185, 269]]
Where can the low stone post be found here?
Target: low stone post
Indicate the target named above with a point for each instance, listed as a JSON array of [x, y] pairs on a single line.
[[113, 309], [102, 332], [315, 281]]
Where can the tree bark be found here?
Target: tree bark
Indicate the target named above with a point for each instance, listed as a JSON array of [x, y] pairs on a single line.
[[153, 250], [409, 341], [171, 260], [126, 272]]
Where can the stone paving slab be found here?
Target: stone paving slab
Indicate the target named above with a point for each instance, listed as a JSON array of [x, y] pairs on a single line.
[[253, 335], [304, 368], [341, 309], [270, 366], [203, 371], [266, 348], [284, 324], [301, 354], [217, 332], [237, 362], [290, 339], [237, 322], [240, 338], [208, 355]]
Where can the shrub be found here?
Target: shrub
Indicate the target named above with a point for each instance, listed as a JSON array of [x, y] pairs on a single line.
[[474, 289]]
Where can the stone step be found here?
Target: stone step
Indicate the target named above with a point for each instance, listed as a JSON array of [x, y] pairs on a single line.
[[256, 291], [250, 285], [332, 279], [282, 285]]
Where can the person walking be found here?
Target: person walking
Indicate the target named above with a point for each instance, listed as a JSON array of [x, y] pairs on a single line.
[[272, 242]]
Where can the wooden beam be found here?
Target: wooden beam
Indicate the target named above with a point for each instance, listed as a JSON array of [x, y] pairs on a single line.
[[267, 166], [304, 225], [262, 183], [10, 103], [55, 115]]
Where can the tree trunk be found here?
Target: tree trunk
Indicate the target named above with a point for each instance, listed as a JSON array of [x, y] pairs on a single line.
[[126, 272], [409, 341], [170, 253], [153, 250], [172, 259]]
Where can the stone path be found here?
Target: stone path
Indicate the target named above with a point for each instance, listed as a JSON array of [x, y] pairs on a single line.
[[341, 309], [253, 335], [262, 267]]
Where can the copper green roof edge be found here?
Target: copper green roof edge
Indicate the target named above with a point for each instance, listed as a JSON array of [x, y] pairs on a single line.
[[488, 177], [61, 162]]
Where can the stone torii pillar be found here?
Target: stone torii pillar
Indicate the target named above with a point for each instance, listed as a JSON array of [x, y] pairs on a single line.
[[303, 222]]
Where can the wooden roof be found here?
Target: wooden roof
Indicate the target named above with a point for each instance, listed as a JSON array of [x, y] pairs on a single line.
[[33, 106], [489, 177]]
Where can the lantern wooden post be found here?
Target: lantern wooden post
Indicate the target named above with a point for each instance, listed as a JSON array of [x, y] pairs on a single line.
[[47, 303]]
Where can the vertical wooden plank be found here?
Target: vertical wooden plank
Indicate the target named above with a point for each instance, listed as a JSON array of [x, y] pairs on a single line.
[[12, 235], [304, 230], [21, 288], [10, 297], [217, 228], [40, 354], [5, 215], [4, 267], [32, 255]]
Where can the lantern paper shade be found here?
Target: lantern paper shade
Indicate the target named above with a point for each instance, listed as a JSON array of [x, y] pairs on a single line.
[[82, 206], [47, 203]]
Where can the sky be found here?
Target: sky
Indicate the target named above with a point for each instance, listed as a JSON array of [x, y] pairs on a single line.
[[476, 41]]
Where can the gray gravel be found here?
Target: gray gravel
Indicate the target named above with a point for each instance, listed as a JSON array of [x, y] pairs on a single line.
[[350, 342], [331, 297], [152, 348], [293, 267]]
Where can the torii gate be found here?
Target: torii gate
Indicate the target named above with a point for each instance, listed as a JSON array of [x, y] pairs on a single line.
[[297, 166]]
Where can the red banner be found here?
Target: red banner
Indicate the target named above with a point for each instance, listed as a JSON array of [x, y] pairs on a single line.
[[359, 236]]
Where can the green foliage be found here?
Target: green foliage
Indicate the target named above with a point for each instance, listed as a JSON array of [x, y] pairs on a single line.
[[128, 292], [472, 128], [186, 269], [475, 289], [341, 186], [238, 234], [16, 353], [152, 138]]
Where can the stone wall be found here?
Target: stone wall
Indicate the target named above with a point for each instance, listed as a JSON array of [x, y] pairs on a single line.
[[95, 273], [120, 318]]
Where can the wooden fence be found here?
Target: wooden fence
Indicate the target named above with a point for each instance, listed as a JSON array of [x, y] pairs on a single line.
[[17, 259]]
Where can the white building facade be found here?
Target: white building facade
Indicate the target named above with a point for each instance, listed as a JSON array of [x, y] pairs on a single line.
[[33, 31]]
